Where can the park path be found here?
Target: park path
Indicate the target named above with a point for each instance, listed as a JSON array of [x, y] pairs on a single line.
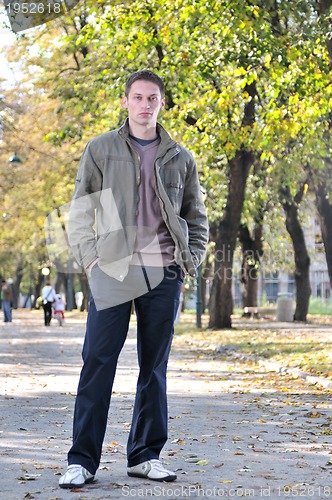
[[236, 429]]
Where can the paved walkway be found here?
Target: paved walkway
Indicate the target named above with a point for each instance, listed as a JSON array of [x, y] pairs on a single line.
[[236, 430]]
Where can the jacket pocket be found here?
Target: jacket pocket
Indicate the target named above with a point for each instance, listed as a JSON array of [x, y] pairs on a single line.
[[174, 188], [116, 244]]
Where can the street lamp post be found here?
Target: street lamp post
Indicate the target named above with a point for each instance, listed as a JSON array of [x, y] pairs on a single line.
[[30, 285], [45, 272], [12, 162], [69, 290], [14, 159]]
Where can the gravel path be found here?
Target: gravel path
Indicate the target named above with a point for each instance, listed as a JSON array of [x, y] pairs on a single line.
[[236, 429]]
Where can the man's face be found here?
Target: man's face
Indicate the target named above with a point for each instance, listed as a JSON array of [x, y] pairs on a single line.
[[143, 103]]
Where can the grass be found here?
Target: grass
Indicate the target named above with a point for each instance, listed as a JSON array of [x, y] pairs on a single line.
[[307, 347], [320, 307]]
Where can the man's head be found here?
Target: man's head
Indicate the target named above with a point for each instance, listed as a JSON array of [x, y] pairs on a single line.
[[147, 76], [144, 98]]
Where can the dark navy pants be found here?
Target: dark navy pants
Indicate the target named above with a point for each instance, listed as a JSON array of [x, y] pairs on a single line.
[[105, 335]]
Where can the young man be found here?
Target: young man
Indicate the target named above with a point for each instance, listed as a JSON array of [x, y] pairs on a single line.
[[137, 225]]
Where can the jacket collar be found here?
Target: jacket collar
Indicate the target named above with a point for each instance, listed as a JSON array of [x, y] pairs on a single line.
[[166, 142]]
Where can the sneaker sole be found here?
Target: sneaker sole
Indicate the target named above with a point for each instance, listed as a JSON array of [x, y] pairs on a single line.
[[71, 485], [167, 479]]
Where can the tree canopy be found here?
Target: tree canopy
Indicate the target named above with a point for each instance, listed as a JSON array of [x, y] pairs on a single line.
[[248, 77]]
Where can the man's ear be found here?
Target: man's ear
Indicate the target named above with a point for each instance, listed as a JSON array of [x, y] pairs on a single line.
[[124, 102], [162, 103]]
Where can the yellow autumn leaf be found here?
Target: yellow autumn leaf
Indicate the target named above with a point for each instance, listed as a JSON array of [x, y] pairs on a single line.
[[315, 415], [178, 441]]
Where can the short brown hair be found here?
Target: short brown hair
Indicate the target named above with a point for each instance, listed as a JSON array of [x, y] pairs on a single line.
[[147, 75]]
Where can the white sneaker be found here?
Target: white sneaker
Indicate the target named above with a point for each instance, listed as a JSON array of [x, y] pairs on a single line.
[[152, 469], [75, 477]]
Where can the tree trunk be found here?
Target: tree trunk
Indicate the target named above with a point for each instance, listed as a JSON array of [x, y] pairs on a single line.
[[60, 282], [86, 291], [302, 259], [324, 9], [63, 282], [323, 191], [221, 300], [205, 278], [38, 287], [17, 283], [252, 251], [324, 208]]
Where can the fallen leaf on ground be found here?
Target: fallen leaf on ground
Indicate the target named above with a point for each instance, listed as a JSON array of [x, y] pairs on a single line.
[[28, 477], [202, 462], [177, 441]]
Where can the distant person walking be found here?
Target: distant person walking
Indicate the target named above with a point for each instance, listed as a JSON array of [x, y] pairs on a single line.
[[59, 309], [7, 298], [48, 296]]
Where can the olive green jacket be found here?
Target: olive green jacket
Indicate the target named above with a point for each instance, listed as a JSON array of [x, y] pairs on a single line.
[[102, 221]]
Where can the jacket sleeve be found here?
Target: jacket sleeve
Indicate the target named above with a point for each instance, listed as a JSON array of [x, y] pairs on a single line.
[[81, 221], [194, 212]]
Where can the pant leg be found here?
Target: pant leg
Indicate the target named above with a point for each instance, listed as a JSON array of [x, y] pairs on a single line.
[[156, 312], [45, 314], [7, 313], [48, 312], [105, 335]]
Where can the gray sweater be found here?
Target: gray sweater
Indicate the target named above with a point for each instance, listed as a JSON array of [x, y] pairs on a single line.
[[153, 240]]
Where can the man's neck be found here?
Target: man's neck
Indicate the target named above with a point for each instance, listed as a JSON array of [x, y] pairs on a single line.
[[145, 133]]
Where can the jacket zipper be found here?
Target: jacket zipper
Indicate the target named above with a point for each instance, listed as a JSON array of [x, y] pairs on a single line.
[[155, 179], [138, 174], [137, 165], [163, 211]]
